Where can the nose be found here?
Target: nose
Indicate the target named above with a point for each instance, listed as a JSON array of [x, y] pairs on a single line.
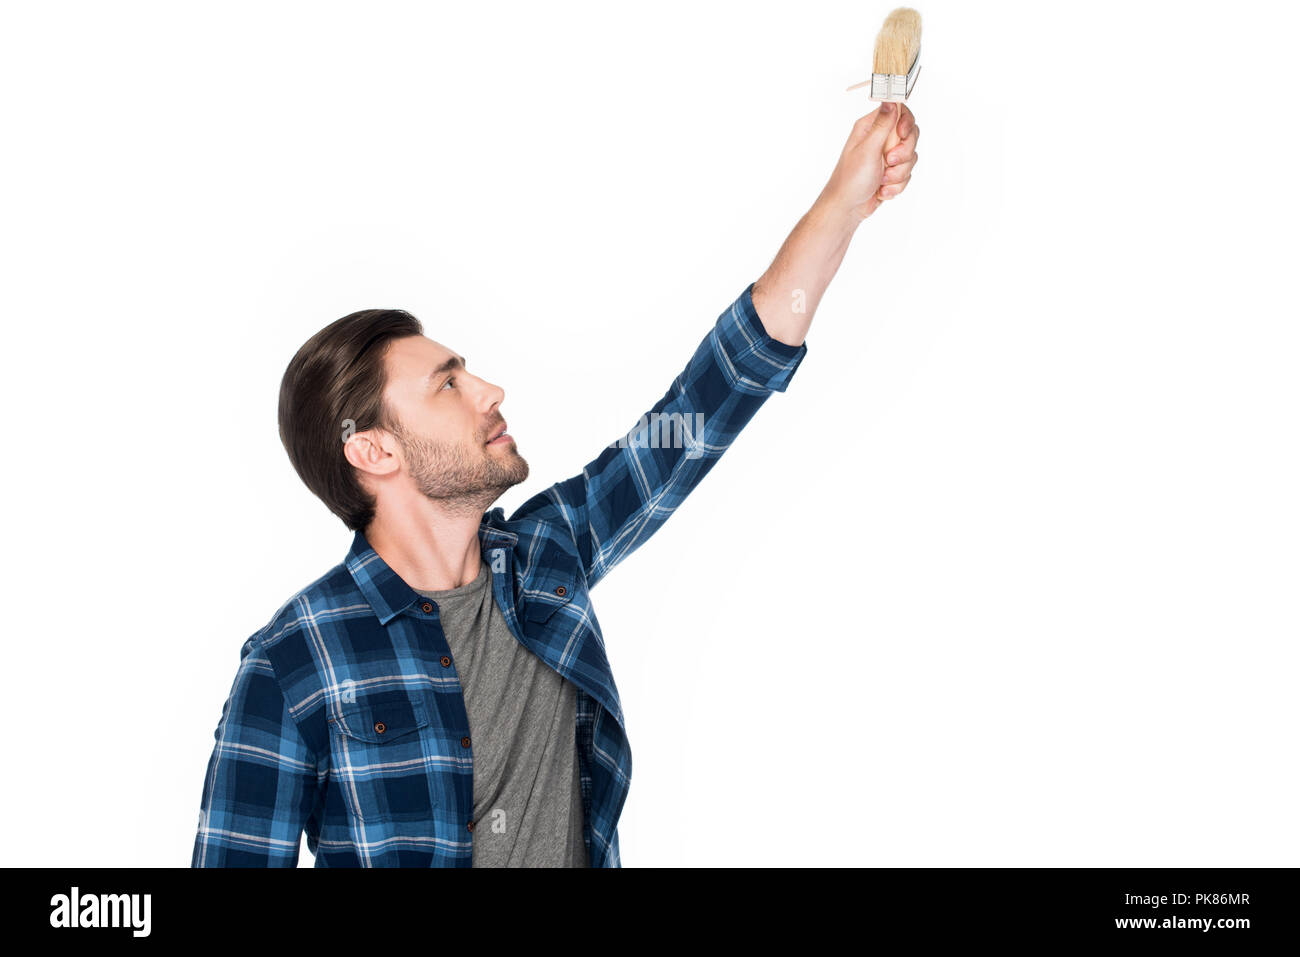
[[493, 395]]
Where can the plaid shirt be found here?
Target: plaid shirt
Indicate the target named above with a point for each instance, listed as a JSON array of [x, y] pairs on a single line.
[[346, 718]]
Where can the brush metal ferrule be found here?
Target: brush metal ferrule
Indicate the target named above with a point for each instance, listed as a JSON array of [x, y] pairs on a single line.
[[895, 87]]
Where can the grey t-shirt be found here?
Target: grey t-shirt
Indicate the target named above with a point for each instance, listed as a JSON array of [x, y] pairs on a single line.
[[522, 721]]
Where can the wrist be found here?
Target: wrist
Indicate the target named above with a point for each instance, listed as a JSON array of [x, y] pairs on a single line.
[[836, 216]]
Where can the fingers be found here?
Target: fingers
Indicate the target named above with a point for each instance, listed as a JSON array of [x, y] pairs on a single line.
[[900, 172], [895, 179], [906, 148], [902, 158], [906, 121]]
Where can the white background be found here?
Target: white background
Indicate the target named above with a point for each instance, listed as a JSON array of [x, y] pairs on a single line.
[[1006, 577]]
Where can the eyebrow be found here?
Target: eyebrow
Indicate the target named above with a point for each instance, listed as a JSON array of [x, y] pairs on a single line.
[[455, 362]]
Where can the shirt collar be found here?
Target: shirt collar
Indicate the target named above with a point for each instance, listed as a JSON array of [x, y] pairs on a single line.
[[384, 589]]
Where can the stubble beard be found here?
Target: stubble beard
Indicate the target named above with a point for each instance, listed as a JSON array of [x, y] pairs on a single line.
[[460, 481]]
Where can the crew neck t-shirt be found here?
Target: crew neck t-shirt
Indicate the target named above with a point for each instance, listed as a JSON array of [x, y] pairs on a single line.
[[522, 720]]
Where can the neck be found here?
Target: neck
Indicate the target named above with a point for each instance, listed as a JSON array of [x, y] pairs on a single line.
[[431, 548]]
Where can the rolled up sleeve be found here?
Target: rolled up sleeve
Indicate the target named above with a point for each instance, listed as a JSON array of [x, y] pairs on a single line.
[[752, 359]]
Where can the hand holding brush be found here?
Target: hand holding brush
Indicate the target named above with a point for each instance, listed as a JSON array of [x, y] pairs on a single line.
[[875, 165], [895, 65]]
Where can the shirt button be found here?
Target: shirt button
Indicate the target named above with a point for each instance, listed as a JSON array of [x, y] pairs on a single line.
[[559, 590], [445, 661], [470, 825], [426, 608], [380, 727], [464, 742]]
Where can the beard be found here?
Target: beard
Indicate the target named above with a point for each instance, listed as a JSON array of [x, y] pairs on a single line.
[[458, 478]]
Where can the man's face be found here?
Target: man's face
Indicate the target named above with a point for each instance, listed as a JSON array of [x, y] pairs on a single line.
[[447, 417]]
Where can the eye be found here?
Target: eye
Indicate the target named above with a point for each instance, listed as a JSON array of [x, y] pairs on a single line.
[[448, 382]]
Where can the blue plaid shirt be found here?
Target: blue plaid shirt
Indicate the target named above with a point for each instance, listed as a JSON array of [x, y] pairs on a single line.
[[346, 719]]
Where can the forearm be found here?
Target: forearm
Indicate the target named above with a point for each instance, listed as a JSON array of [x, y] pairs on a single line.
[[787, 294]]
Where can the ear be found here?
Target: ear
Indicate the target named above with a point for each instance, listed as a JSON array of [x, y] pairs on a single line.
[[373, 451]]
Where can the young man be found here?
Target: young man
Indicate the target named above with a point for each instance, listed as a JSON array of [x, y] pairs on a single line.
[[442, 696]]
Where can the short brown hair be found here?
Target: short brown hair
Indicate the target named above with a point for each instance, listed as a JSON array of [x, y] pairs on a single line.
[[332, 388]]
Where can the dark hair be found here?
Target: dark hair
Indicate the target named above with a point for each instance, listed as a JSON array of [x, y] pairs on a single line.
[[332, 388]]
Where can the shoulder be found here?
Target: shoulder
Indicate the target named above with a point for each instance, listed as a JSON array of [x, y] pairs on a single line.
[[286, 646], [323, 598]]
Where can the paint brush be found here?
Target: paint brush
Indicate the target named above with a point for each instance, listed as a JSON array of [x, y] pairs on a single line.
[[896, 63]]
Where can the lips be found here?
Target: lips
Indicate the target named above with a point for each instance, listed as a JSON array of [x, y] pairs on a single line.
[[497, 434]]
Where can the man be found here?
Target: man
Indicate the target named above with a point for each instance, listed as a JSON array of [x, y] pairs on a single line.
[[442, 696]]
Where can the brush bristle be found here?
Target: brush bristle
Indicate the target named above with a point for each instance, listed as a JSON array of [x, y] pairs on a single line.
[[898, 42]]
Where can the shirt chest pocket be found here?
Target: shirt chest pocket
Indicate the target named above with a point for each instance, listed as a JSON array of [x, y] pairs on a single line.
[[552, 585], [381, 756], [381, 719]]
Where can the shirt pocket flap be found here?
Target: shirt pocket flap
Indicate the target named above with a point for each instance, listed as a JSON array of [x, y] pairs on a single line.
[[381, 718]]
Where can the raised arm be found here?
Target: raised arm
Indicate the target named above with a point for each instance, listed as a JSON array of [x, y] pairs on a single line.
[[627, 492]]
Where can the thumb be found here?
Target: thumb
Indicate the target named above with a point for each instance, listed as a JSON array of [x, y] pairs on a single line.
[[884, 121]]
